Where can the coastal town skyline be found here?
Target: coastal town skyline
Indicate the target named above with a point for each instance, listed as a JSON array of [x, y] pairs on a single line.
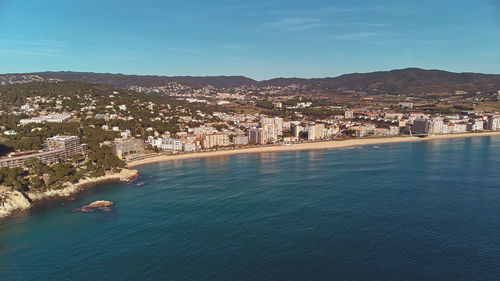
[[208, 118]]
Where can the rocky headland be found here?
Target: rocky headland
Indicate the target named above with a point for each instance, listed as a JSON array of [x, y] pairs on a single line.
[[12, 200]]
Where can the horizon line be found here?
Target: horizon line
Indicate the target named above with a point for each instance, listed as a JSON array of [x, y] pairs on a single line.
[[244, 76]]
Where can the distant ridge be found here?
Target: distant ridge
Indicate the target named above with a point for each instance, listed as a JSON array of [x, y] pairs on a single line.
[[413, 80]]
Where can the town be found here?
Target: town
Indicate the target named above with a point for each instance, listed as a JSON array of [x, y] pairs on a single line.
[[139, 123]]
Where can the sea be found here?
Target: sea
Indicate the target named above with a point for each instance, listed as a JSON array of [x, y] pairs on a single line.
[[404, 211]]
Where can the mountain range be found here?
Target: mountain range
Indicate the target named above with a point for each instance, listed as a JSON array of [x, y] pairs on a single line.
[[400, 81]]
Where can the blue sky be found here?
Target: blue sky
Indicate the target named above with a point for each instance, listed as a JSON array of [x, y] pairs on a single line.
[[258, 39]]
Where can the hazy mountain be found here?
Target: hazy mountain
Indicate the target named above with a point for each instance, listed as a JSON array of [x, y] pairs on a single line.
[[408, 80], [122, 80], [400, 81]]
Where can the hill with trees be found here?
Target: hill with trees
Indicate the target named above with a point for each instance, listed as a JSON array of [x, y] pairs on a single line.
[[412, 80]]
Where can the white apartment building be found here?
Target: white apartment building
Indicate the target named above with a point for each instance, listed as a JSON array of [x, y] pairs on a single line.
[[494, 123], [53, 118], [166, 144], [436, 126]]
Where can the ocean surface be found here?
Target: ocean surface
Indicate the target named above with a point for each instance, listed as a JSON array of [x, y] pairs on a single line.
[[406, 211]]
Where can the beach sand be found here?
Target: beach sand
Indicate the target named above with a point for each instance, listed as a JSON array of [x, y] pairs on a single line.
[[307, 146]]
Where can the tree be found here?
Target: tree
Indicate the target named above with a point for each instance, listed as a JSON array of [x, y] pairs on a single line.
[[36, 183], [14, 177]]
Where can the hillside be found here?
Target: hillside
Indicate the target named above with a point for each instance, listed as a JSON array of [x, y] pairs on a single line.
[[122, 80], [409, 80]]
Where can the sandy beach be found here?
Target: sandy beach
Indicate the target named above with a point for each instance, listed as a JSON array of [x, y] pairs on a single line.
[[307, 146]]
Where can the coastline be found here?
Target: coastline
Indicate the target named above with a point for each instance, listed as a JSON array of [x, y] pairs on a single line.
[[13, 201], [320, 145]]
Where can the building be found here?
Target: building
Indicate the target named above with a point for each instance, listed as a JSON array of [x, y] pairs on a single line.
[[458, 128], [189, 147], [436, 126], [126, 134], [332, 130], [240, 140], [69, 145], [215, 140], [494, 123], [53, 118], [290, 139], [311, 133], [295, 128], [166, 143], [203, 130], [19, 160], [320, 130], [277, 125], [57, 149], [381, 132], [394, 130], [386, 131], [475, 125], [256, 136], [348, 114], [406, 105], [417, 115], [393, 115], [420, 126], [270, 133], [123, 147], [361, 131]]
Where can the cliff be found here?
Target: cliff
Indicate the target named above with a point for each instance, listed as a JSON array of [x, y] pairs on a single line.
[[11, 200]]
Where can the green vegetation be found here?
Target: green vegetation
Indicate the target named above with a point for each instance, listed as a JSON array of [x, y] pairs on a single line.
[[40, 177], [264, 104], [74, 96], [320, 113], [15, 177]]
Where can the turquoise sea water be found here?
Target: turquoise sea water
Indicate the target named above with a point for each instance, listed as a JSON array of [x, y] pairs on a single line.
[[407, 211]]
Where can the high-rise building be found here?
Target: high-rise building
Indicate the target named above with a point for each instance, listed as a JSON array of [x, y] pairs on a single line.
[[270, 133], [277, 123], [295, 128], [257, 136], [57, 148], [213, 140], [311, 133], [319, 131], [420, 126], [494, 123], [436, 126], [69, 145]]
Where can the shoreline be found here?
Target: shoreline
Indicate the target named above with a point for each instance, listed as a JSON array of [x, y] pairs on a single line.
[[15, 201], [320, 145]]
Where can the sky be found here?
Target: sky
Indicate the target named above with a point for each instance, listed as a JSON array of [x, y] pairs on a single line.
[[260, 39]]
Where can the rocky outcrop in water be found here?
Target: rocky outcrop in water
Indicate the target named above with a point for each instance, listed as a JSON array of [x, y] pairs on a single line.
[[96, 206], [11, 200]]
